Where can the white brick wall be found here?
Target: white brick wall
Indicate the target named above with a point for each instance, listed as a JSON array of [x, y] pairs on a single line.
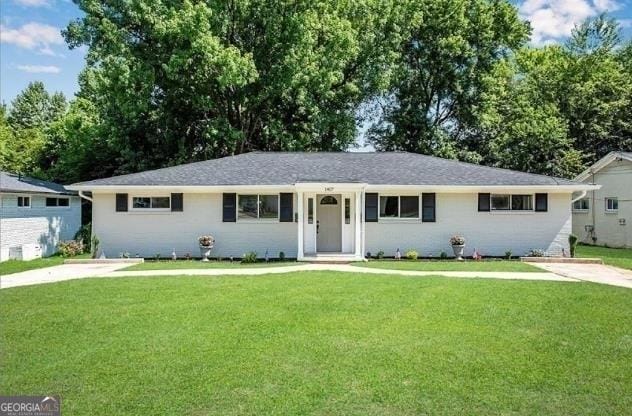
[[146, 234], [491, 233], [38, 224]]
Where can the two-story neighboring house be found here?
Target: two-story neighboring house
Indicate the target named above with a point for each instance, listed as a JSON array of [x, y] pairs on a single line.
[[604, 216], [35, 216]]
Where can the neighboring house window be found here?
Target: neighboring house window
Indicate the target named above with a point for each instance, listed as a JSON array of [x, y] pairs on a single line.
[[24, 201], [151, 202], [506, 202], [399, 207], [57, 202], [581, 205], [612, 204], [258, 207]]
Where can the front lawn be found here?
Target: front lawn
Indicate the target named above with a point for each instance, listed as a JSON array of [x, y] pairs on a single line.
[[16, 266], [451, 265], [320, 343], [619, 257], [197, 264]]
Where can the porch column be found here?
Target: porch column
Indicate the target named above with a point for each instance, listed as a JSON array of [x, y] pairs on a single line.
[[358, 224], [299, 207]]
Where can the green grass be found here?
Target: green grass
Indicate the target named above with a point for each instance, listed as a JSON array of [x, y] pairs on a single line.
[[320, 343], [451, 265], [16, 266], [619, 257], [197, 264]]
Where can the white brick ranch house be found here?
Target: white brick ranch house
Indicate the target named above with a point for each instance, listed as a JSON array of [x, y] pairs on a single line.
[[311, 204], [34, 212]]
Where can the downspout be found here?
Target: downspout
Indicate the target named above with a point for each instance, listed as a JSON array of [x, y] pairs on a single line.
[[592, 209], [84, 196]]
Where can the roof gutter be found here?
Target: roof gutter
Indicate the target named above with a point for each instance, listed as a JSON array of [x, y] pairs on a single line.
[[581, 195], [84, 196]]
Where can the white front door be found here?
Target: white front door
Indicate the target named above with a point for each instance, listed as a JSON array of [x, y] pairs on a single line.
[[329, 223]]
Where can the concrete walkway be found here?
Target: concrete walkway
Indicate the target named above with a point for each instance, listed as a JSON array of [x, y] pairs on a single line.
[[596, 273], [80, 271], [58, 274]]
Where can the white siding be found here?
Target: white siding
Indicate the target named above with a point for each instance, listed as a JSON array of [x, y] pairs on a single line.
[[616, 181], [491, 233], [37, 224], [147, 234]]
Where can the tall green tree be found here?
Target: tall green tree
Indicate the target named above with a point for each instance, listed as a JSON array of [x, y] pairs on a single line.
[[35, 108], [175, 81], [439, 81]]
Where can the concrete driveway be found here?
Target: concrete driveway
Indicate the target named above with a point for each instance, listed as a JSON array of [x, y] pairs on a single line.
[[58, 274], [597, 273]]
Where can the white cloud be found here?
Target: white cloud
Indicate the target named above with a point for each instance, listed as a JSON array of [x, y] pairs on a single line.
[[32, 36], [553, 20], [625, 22], [40, 69], [32, 3]]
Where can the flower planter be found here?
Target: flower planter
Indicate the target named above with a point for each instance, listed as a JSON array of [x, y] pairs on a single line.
[[458, 251], [205, 251]]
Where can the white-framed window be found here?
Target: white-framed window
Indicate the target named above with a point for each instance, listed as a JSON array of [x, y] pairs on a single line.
[[581, 205], [258, 207], [52, 202], [151, 202], [24, 202], [508, 202], [399, 206], [612, 204]]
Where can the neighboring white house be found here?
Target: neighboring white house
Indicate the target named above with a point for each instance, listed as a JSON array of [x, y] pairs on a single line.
[[311, 204], [35, 213], [604, 216]]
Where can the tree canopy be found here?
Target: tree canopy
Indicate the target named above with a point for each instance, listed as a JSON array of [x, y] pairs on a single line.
[[169, 82]]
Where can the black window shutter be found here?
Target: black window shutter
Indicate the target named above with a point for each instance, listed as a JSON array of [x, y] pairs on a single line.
[[121, 202], [541, 202], [483, 202], [370, 207], [177, 204], [286, 211], [229, 207], [428, 207]]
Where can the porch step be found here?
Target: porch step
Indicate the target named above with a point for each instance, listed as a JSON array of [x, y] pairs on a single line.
[[331, 258]]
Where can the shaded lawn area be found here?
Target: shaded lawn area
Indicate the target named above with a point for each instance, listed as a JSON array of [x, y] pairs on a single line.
[[451, 265], [197, 264], [320, 343], [619, 257], [16, 266]]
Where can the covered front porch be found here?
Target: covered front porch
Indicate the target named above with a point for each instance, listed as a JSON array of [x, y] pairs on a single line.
[[330, 226]]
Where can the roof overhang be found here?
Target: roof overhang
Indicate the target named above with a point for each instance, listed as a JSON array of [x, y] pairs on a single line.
[[602, 163], [333, 187]]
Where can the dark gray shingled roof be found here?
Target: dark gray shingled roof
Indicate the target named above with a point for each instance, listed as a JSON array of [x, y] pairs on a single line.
[[10, 182], [287, 168]]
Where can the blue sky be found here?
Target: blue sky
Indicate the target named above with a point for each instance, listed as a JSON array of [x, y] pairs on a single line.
[[31, 47]]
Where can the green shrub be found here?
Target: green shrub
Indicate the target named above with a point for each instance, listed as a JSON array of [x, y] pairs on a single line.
[[70, 248], [250, 257], [537, 252], [572, 242], [85, 236], [412, 255], [443, 255], [380, 254], [281, 256], [508, 254]]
